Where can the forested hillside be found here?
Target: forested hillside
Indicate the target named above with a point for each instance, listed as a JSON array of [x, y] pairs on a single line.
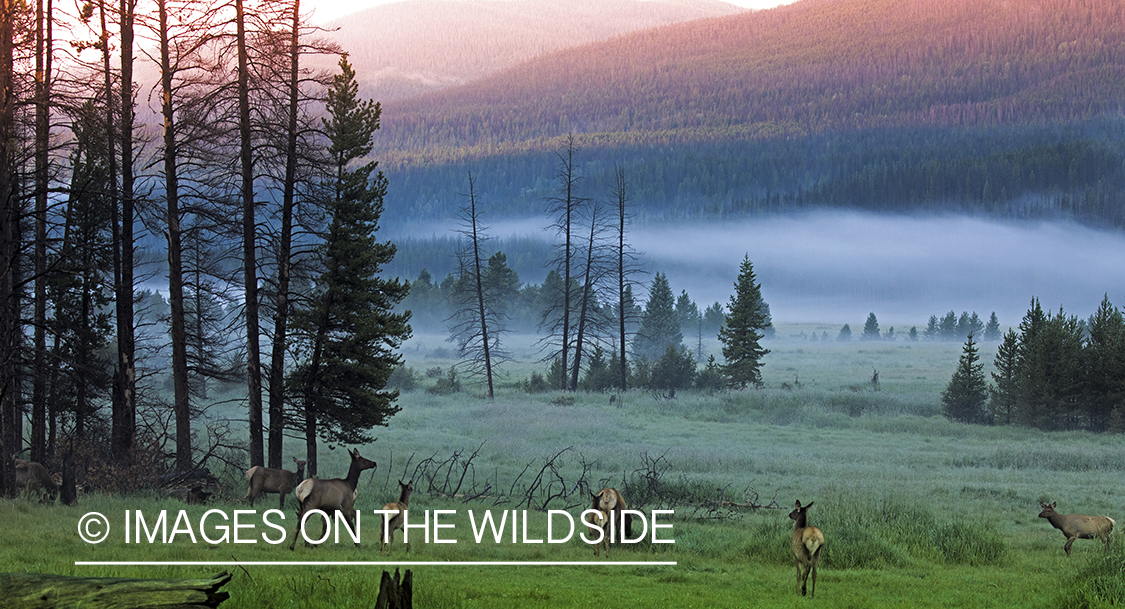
[[1011, 107], [408, 48]]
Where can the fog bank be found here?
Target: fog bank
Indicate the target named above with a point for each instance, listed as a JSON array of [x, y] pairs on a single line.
[[839, 266]]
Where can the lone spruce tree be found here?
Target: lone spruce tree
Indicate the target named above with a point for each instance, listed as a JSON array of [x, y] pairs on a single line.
[[349, 334], [965, 397], [660, 325], [741, 330]]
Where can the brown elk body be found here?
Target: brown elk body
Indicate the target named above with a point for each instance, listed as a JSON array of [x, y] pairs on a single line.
[[1078, 526], [32, 476], [600, 520], [331, 496], [807, 544], [397, 520], [611, 502], [270, 480]]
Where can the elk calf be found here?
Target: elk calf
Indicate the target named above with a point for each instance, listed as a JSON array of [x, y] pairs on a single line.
[[1078, 526], [396, 521], [270, 480], [331, 496], [807, 543], [600, 520]]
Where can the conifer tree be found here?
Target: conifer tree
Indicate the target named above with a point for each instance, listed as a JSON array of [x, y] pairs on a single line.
[[1104, 358], [660, 325], [871, 328], [845, 334], [1006, 377], [349, 335], [741, 331], [992, 330], [964, 398]]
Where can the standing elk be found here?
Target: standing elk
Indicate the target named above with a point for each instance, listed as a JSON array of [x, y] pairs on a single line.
[[1078, 526], [331, 496], [611, 502], [32, 476], [807, 543], [396, 521], [270, 480]]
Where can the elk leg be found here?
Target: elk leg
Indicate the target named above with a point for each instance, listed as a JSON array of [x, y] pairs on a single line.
[[1067, 546]]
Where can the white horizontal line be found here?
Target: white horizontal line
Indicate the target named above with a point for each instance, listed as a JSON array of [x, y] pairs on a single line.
[[358, 563]]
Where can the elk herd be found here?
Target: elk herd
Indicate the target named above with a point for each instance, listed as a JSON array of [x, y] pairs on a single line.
[[607, 507]]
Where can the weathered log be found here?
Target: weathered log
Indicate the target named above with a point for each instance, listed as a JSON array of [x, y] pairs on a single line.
[[395, 595], [49, 591]]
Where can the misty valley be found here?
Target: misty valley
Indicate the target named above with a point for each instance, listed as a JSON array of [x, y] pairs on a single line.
[[833, 284]]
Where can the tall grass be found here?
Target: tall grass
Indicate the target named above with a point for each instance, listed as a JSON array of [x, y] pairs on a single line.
[[1100, 583]]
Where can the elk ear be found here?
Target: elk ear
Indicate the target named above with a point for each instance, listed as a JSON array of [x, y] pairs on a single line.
[[798, 504], [809, 505], [1053, 504]]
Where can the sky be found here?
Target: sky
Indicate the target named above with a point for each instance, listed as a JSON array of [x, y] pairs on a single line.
[[327, 10]]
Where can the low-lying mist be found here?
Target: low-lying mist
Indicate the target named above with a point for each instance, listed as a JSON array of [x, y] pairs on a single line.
[[836, 267]]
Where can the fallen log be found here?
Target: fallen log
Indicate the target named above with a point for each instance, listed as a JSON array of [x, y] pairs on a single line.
[[49, 591]]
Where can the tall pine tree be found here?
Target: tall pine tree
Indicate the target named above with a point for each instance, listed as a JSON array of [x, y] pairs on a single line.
[[1006, 376], [964, 398], [349, 334], [741, 332], [660, 325]]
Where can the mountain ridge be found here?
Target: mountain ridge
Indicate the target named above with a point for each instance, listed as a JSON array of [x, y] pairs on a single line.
[[411, 47]]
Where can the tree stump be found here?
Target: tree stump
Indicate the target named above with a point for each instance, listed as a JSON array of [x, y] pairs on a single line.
[[395, 595], [49, 591]]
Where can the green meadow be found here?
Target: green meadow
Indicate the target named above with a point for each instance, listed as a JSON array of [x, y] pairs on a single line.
[[917, 511]]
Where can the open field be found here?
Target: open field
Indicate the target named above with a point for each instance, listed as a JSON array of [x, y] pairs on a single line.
[[917, 511]]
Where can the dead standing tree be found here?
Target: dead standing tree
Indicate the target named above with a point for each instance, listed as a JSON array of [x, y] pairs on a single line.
[[563, 208], [476, 323]]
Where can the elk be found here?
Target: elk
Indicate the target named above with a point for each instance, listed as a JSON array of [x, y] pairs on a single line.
[[1078, 526], [270, 480], [600, 520], [611, 502], [396, 521], [32, 476], [807, 543], [331, 496]]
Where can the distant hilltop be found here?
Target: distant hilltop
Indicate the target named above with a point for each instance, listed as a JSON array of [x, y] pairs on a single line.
[[408, 48], [1010, 108]]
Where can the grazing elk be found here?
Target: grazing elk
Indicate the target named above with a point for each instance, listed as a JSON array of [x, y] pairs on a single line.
[[599, 520], [1078, 526], [32, 476], [270, 480], [807, 543], [331, 496], [396, 521], [611, 502]]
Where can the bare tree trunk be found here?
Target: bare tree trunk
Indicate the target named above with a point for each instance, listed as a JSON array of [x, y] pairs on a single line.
[[587, 285], [565, 206], [480, 289], [621, 193], [115, 212], [9, 213], [181, 404], [249, 256], [284, 250], [124, 397], [43, 51]]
